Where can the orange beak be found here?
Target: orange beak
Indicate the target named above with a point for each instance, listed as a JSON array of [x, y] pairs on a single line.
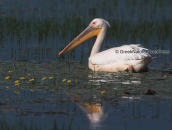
[[88, 33]]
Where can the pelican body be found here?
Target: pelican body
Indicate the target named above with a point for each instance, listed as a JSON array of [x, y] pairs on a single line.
[[127, 57]]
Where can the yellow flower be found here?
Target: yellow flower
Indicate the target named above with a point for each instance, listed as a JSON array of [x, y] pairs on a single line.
[[44, 91], [102, 92], [22, 78], [44, 78], [63, 80], [31, 79], [17, 81], [17, 92], [68, 81], [165, 76], [50, 77], [29, 74], [7, 77], [7, 87], [9, 71], [17, 84], [32, 90]]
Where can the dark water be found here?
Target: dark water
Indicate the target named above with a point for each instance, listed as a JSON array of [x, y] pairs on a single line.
[[46, 112], [38, 30], [32, 33]]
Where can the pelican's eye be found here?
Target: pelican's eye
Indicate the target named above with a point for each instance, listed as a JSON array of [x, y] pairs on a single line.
[[94, 22]]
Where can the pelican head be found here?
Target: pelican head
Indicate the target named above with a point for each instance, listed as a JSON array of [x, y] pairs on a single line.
[[94, 29], [99, 23]]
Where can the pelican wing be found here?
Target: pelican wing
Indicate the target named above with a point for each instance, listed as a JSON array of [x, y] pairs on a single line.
[[123, 53]]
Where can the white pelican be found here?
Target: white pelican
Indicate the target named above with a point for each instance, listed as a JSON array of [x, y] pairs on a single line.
[[127, 57]]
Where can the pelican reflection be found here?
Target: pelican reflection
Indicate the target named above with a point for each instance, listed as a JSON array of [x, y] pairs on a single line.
[[94, 111]]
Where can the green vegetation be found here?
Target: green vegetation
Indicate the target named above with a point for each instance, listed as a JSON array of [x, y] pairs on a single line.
[[36, 84]]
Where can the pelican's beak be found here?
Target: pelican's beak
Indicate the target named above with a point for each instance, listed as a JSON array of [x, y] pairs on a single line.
[[88, 33]]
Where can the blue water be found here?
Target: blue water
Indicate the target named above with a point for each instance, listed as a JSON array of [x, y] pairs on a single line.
[[46, 110], [33, 47], [126, 113]]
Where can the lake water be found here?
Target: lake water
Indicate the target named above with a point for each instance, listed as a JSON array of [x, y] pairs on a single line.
[[32, 33]]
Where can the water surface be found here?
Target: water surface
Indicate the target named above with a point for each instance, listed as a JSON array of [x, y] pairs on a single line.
[[32, 33]]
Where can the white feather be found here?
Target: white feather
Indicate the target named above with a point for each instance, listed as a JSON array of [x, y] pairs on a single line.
[[135, 52]]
